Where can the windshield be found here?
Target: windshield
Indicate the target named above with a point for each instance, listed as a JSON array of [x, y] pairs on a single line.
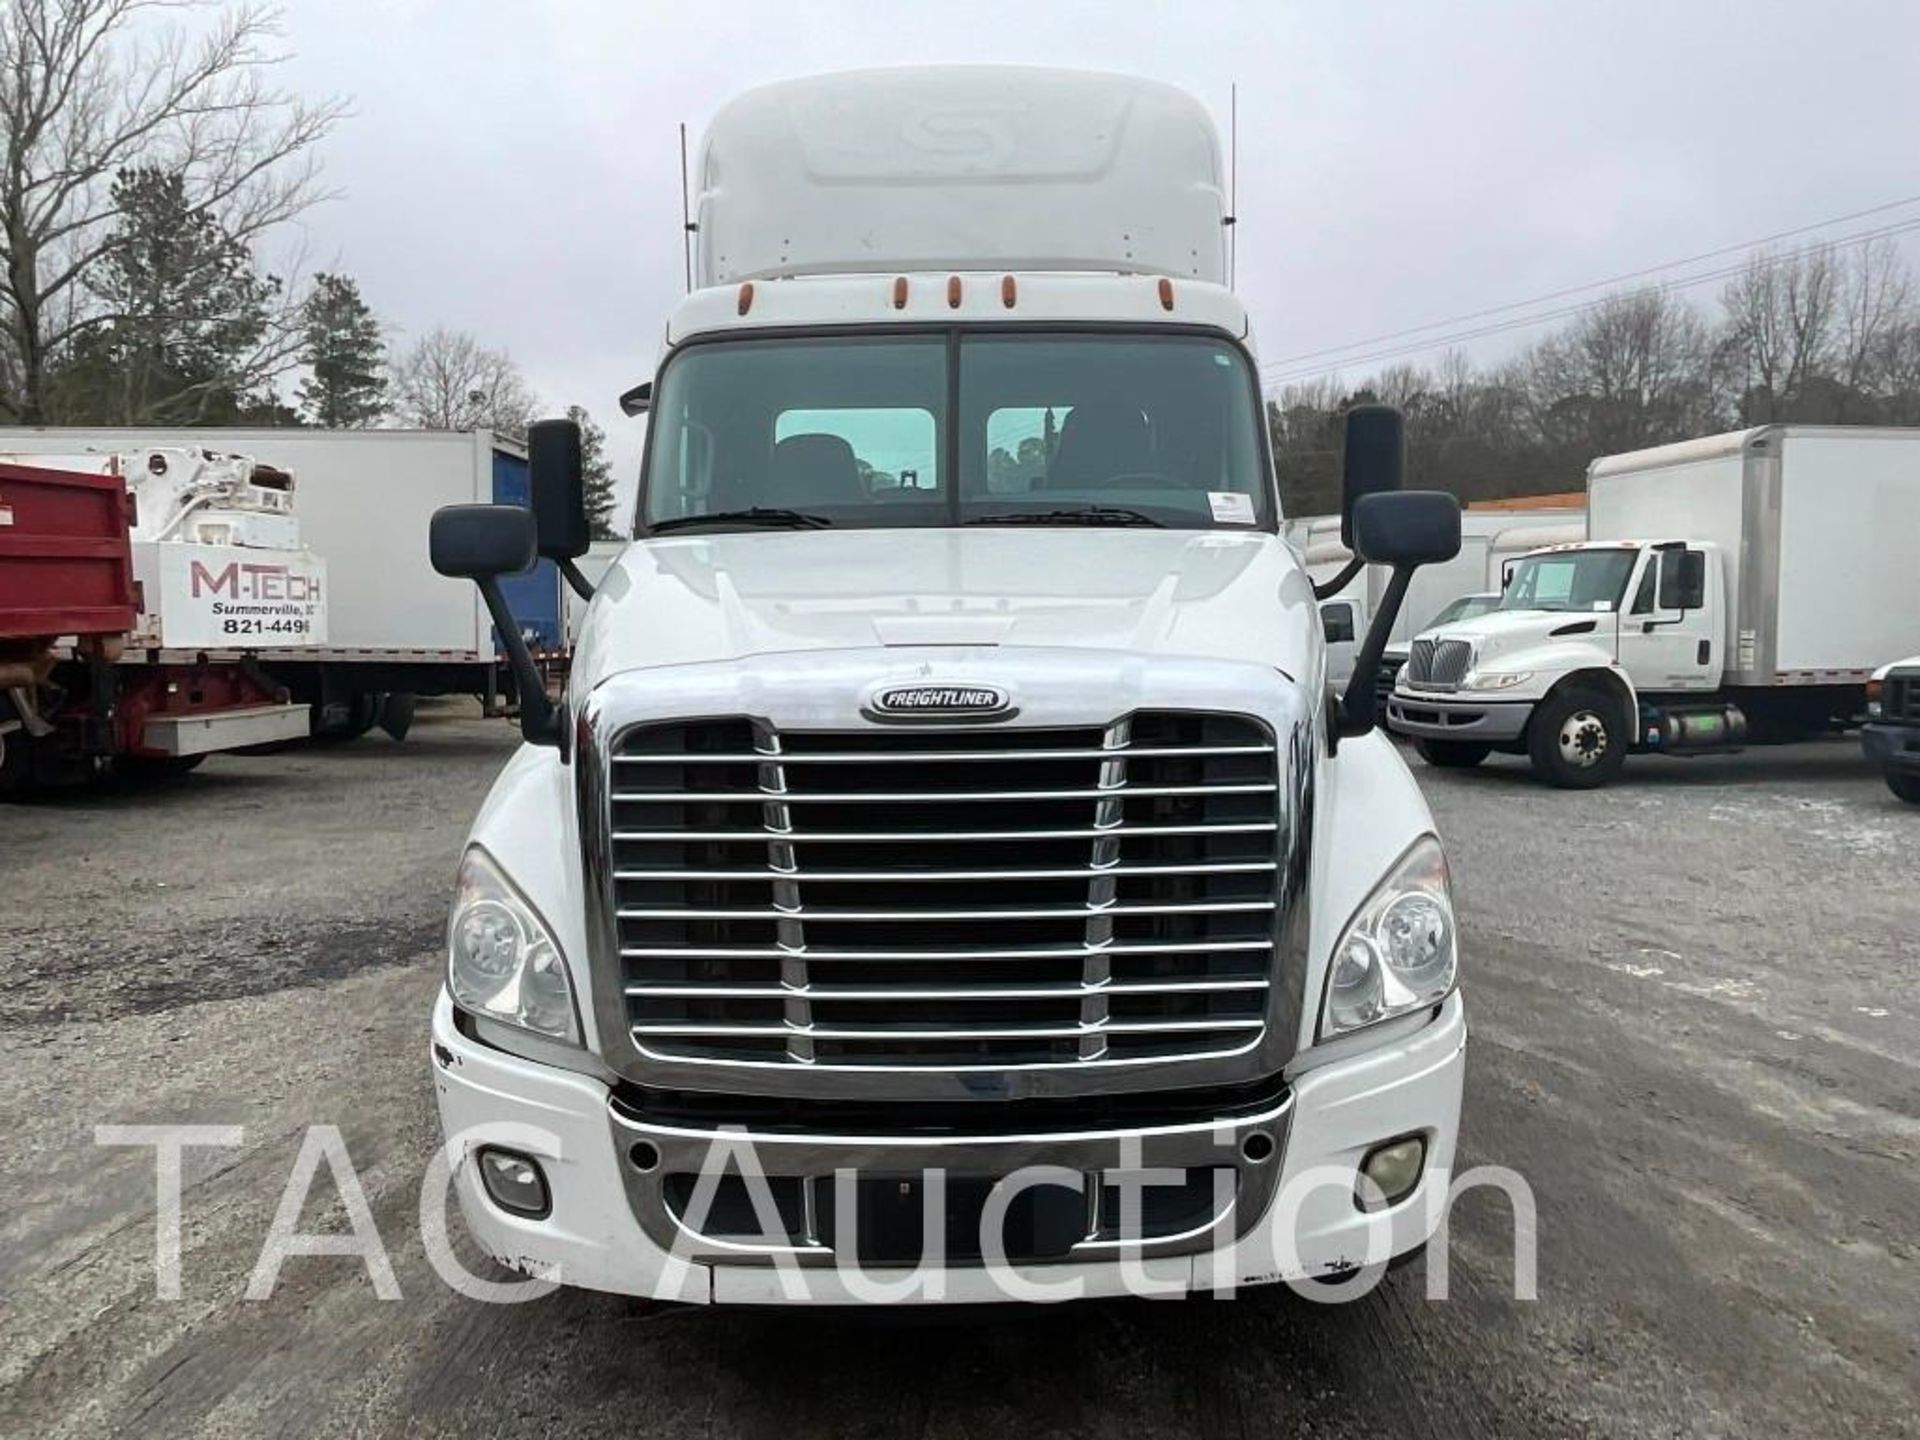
[[930, 429], [1465, 608], [1570, 580]]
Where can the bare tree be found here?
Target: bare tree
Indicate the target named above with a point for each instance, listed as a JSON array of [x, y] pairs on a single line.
[[1876, 301], [87, 92], [1782, 321], [449, 381], [1631, 371]]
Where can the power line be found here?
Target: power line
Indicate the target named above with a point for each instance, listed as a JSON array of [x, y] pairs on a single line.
[[1290, 361], [1686, 282]]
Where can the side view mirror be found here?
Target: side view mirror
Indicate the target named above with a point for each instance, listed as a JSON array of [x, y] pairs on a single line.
[[1414, 527], [638, 400], [1336, 624], [557, 483], [481, 543], [1373, 461], [1405, 531], [1683, 580]]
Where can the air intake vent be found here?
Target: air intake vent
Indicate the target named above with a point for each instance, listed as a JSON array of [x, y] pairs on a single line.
[[943, 899]]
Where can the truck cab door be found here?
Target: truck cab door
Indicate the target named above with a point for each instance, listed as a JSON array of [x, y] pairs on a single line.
[[1669, 633]]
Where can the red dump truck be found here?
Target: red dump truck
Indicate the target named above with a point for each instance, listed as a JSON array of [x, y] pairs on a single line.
[[92, 674]]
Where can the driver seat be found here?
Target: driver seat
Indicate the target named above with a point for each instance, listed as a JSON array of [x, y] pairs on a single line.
[[1099, 440]]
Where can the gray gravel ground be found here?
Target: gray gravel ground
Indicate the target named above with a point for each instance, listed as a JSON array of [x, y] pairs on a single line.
[[1693, 997]]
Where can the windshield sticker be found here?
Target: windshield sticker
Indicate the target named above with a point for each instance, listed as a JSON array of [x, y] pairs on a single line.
[[1230, 507]]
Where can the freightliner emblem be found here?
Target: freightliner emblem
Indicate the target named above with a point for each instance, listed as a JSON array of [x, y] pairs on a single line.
[[938, 702]]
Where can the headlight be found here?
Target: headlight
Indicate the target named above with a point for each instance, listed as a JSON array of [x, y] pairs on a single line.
[[1495, 679], [1399, 952], [502, 961]]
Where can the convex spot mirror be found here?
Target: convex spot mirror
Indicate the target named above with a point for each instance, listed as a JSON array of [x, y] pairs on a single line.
[[1411, 527], [478, 542]]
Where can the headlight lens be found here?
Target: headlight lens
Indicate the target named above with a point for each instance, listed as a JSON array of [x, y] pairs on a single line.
[[1399, 952], [1495, 679], [502, 961]]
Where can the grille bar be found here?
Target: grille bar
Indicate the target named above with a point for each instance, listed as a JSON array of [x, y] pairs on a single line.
[[882, 877], [943, 797], [885, 837], [957, 1032], [916, 993], [1080, 912], [943, 757], [1069, 953]]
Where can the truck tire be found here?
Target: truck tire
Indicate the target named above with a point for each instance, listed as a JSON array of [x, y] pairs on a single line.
[[1451, 754], [1575, 739], [348, 720], [16, 765], [1907, 787]]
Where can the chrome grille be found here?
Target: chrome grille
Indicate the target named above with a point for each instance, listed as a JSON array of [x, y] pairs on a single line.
[[946, 898], [1900, 696], [1438, 664]]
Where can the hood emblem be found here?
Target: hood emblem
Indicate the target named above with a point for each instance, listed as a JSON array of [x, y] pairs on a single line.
[[925, 701]]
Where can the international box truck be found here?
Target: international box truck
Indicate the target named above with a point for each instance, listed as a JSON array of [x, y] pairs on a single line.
[[1742, 586], [395, 629], [947, 867]]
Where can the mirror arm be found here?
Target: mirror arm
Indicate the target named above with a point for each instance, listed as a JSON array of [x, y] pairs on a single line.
[[539, 720], [579, 583], [1359, 707], [1326, 589]]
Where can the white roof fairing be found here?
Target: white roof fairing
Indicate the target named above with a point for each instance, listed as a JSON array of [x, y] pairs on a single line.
[[961, 168]]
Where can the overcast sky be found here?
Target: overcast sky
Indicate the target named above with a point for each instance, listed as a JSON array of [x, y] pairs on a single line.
[[511, 167]]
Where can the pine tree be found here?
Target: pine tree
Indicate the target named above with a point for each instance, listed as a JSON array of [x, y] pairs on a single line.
[[347, 389], [597, 471], [185, 317]]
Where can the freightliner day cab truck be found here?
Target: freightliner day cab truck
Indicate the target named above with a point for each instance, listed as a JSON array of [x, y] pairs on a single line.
[[946, 784], [1742, 586]]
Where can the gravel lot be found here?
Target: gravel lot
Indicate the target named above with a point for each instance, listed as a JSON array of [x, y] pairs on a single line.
[[1693, 999]]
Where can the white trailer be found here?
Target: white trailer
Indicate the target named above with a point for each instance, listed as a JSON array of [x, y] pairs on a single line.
[[1733, 587], [394, 627]]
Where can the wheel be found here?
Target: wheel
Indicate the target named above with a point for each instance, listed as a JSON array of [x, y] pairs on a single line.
[[16, 766], [1451, 754], [1907, 787], [1575, 739], [348, 719]]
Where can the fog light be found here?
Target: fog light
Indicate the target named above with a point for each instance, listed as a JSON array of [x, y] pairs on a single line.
[[514, 1182], [1395, 1167]]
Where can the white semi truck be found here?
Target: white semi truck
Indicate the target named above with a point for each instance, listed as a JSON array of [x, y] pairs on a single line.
[[947, 866], [1743, 586]]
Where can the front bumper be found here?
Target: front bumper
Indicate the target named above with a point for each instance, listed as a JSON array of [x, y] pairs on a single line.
[[1453, 717], [1894, 748], [607, 1222]]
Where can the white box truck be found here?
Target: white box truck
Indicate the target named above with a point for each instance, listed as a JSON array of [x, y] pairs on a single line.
[[395, 629], [1490, 541], [946, 866], [1742, 586]]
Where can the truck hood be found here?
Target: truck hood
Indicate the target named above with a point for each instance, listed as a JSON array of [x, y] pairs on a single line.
[[1505, 633], [698, 598]]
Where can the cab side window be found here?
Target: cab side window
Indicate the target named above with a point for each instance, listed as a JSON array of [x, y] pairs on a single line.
[[1643, 598]]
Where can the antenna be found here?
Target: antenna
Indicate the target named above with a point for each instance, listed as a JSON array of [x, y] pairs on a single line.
[[686, 218], [1233, 182]]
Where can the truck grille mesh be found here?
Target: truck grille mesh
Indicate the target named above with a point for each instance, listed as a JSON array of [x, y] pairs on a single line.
[[946, 898], [1900, 697], [1438, 664]]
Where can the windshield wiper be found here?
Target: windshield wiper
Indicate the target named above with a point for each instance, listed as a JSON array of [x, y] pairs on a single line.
[[1078, 515], [772, 518]]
